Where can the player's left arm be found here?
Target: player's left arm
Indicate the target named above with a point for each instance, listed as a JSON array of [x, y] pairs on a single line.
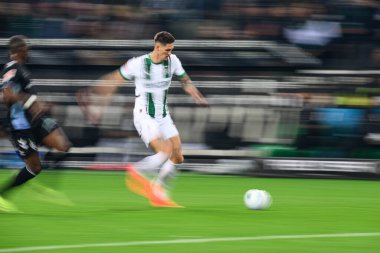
[[193, 91], [30, 102], [9, 96]]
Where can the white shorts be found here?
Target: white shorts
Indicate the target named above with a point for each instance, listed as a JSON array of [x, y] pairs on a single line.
[[153, 128]]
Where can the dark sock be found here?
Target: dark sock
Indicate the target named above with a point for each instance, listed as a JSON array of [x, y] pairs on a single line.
[[22, 177]]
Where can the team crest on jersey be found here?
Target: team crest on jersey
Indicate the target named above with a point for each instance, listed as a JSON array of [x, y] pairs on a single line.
[[9, 75], [23, 144]]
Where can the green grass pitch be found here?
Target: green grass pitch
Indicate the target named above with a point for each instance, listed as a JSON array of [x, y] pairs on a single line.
[[307, 215]]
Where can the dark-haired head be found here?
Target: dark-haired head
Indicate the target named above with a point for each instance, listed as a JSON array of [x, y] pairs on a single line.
[[163, 47], [164, 38], [16, 43], [18, 48]]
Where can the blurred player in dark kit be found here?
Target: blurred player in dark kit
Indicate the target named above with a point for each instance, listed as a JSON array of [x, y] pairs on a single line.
[[29, 122]]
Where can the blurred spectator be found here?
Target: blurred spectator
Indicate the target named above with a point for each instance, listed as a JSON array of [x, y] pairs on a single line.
[[301, 21], [341, 33], [329, 129], [19, 19], [375, 58]]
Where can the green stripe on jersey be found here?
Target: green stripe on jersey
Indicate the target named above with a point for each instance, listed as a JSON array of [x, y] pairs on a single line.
[[165, 97], [166, 69], [122, 75], [182, 75], [147, 66], [151, 108]]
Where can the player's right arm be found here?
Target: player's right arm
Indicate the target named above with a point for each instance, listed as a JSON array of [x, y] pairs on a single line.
[[96, 98], [108, 84], [9, 96]]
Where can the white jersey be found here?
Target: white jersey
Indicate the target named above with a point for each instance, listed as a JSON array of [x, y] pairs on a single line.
[[152, 82]]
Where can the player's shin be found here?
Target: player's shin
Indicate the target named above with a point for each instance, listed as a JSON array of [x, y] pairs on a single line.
[[166, 174], [22, 177], [152, 162]]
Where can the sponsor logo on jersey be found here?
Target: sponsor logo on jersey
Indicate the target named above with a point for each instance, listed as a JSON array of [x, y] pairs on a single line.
[[163, 84], [23, 144], [9, 75], [32, 145]]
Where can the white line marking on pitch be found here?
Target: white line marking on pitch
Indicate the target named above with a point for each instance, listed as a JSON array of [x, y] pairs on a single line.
[[186, 241]]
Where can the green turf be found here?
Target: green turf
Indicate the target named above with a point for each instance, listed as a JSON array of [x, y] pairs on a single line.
[[105, 212]]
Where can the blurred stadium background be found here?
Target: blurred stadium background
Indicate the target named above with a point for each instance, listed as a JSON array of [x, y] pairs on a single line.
[[293, 86]]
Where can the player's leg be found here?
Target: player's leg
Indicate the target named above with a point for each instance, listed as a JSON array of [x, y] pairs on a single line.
[[162, 151], [150, 133], [49, 134], [32, 169], [137, 182], [171, 134], [167, 173], [24, 143], [53, 137], [57, 140], [168, 169], [160, 196]]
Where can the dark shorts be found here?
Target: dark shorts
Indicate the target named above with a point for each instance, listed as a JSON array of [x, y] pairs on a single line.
[[43, 127], [26, 141]]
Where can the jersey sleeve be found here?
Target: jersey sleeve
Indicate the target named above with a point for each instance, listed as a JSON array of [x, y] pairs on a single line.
[[128, 70], [177, 66], [11, 77]]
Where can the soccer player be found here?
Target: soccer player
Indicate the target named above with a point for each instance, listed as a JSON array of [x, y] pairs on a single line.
[[152, 74], [28, 119]]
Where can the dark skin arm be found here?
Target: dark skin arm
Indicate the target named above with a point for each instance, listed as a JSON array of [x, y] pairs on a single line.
[[36, 109]]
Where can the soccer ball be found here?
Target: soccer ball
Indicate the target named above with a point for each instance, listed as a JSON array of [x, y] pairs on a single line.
[[257, 199]]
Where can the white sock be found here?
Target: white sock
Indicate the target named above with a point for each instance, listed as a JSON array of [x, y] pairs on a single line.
[[167, 172], [151, 163]]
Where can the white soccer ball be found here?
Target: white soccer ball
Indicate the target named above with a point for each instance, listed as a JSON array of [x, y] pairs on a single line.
[[257, 199]]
